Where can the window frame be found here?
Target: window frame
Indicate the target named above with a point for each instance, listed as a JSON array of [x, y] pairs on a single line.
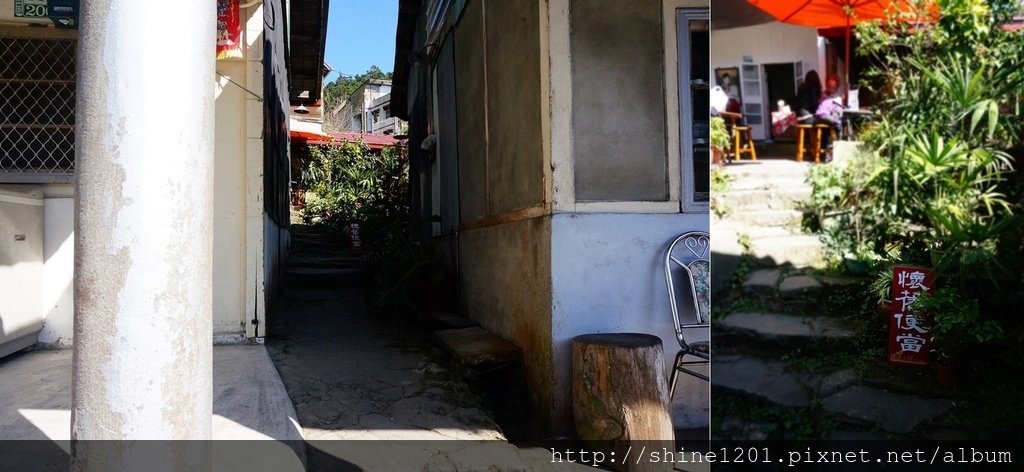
[[681, 15]]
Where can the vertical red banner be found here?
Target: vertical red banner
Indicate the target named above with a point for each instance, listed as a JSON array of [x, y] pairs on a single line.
[[910, 342], [229, 30]]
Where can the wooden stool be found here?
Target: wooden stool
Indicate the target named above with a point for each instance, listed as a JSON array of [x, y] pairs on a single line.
[[818, 128], [738, 145], [801, 137]]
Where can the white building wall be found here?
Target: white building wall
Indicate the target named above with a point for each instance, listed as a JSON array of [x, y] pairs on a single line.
[[768, 43], [238, 189]]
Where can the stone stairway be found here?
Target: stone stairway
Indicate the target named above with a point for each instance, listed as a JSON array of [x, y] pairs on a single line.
[[759, 218], [320, 259], [789, 365]]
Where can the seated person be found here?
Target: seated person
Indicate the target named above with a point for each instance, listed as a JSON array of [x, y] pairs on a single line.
[[808, 96], [832, 88], [829, 112]]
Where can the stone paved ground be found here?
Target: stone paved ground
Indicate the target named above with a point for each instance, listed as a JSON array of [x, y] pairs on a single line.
[[371, 395], [355, 377]]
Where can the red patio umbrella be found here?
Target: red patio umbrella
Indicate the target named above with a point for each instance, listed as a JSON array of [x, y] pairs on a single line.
[[833, 13]]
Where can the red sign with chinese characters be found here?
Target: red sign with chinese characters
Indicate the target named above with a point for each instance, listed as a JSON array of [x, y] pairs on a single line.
[[229, 30], [910, 343]]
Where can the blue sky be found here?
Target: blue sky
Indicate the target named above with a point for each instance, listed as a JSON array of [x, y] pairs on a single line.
[[361, 33]]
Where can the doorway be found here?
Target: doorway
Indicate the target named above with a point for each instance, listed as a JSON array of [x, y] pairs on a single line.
[[780, 83]]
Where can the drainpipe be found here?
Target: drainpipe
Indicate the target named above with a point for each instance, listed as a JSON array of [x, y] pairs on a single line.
[[142, 365]]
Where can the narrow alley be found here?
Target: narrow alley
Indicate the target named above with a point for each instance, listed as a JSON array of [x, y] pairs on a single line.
[[352, 376]]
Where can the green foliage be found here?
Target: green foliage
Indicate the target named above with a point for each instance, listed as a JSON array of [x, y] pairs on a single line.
[[957, 323], [952, 113], [848, 227], [404, 273], [882, 284], [720, 182], [348, 183], [719, 134]]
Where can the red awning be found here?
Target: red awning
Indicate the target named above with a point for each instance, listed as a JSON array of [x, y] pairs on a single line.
[[372, 141]]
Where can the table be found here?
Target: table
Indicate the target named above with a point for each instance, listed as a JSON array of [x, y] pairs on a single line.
[[852, 117]]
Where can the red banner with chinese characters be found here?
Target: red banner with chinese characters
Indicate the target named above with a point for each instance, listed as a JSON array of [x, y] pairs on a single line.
[[229, 30], [910, 343]]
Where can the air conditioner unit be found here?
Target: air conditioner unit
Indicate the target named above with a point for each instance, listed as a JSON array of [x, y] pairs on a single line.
[[21, 269]]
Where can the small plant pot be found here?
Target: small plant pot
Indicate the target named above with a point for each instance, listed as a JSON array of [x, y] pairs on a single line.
[[716, 156], [856, 267], [884, 308], [947, 373]]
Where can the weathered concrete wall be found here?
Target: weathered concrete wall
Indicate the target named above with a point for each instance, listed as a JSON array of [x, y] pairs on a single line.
[[504, 257], [607, 277], [515, 170], [276, 236], [618, 101], [470, 87], [498, 72], [506, 285]]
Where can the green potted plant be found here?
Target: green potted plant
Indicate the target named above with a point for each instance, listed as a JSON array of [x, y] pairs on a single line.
[[861, 258], [719, 139], [880, 287], [956, 326]]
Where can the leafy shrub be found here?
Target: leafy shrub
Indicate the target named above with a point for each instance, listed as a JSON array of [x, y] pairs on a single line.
[[350, 184], [950, 117]]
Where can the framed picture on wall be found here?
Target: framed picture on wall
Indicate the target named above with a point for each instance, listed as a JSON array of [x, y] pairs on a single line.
[[729, 79]]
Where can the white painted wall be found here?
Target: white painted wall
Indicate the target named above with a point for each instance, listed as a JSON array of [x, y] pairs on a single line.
[[238, 239], [607, 277], [58, 273], [229, 270], [766, 43]]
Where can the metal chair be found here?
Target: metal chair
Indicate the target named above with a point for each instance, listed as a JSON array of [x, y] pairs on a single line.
[[690, 255]]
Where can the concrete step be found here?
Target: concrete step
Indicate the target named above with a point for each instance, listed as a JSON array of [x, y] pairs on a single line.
[[777, 168], [775, 329], [475, 346], [769, 218], [321, 277], [796, 250], [772, 198], [772, 281], [324, 262]]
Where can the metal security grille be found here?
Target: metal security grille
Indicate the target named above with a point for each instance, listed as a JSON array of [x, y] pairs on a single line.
[[37, 109]]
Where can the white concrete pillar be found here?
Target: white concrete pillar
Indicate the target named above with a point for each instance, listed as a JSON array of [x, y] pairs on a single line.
[[143, 234]]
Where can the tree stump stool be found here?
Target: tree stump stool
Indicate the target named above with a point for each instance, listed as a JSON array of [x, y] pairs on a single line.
[[620, 396]]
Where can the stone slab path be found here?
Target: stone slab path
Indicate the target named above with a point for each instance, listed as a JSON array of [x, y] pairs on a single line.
[[355, 377], [371, 395]]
